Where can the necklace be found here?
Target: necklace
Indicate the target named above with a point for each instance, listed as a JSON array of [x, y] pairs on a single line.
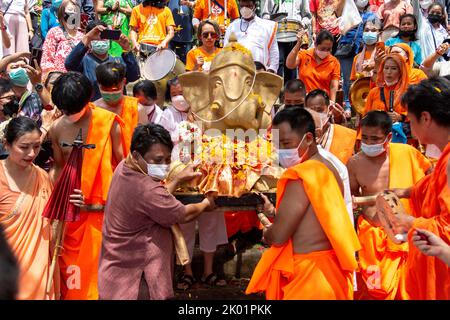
[[240, 27]]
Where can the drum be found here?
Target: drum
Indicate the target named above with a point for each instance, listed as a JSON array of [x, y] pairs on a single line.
[[160, 67], [287, 30]]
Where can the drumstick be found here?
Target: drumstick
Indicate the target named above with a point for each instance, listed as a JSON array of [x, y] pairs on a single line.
[[364, 200], [225, 12]]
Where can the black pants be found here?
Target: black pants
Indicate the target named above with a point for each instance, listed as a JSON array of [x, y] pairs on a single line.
[[284, 49]]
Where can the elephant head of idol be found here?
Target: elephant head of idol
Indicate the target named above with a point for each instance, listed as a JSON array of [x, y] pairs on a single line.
[[233, 94]]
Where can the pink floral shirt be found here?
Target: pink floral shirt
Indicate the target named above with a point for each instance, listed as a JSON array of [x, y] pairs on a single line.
[[56, 48]]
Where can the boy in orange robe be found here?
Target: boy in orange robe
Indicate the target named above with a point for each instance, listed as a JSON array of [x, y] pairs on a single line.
[[428, 277], [337, 139], [313, 240], [379, 166], [81, 248], [111, 81]]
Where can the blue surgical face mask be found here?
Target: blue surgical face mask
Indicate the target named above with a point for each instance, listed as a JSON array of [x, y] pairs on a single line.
[[289, 157], [100, 46], [19, 77], [373, 150], [370, 37]]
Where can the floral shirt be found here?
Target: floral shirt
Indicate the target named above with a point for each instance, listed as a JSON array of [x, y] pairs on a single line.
[[56, 48]]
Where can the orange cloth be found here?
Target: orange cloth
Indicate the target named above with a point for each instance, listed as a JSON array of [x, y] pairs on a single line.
[[201, 11], [429, 277], [415, 75], [367, 56], [130, 118], [382, 262], [374, 101], [317, 75], [82, 242], [151, 23], [281, 273], [28, 233], [343, 143], [192, 55]]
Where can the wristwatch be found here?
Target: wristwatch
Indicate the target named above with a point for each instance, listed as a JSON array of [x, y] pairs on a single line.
[[38, 87]]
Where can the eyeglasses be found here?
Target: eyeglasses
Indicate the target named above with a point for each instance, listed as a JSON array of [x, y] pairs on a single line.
[[207, 34]]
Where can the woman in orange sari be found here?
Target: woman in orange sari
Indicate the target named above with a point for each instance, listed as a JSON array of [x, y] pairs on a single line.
[[403, 49], [24, 191], [393, 76]]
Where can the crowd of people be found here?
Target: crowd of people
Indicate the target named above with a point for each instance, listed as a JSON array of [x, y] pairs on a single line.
[[63, 73]]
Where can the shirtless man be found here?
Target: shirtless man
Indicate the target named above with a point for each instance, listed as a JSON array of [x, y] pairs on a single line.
[[71, 94], [311, 216], [379, 166]]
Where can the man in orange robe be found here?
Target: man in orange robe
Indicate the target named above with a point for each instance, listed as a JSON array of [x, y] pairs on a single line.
[[111, 81], [427, 277], [313, 240], [337, 139], [81, 248], [379, 166]]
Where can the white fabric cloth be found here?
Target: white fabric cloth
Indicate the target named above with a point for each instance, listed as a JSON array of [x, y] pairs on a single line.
[[259, 36], [211, 230], [295, 9], [157, 115], [16, 7], [170, 119], [441, 68]]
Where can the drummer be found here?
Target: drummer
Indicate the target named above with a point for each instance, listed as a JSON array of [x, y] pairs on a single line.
[[296, 10], [199, 59], [152, 26], [256, 34], [379, 166]]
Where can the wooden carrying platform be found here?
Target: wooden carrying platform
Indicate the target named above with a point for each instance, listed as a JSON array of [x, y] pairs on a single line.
[[246, 202]]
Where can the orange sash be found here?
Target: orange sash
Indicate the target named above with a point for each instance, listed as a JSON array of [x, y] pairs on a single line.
[[343, 143], [428, 277], [382, 262], [276, 269], [82, 242], [130, 118], [28, 235]]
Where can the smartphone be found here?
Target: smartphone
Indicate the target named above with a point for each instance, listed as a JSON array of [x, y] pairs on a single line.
[[36, 54], [84, 18], [380, 45], [110, 34]]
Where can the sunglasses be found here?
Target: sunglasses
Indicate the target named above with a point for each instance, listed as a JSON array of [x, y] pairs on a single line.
[[207, 34]]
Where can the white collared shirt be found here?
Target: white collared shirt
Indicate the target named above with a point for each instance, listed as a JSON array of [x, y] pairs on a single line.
[[259, 36]]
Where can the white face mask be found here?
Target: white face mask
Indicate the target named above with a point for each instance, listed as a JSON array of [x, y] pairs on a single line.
[[246, 13], [390, 84], [77, 116], [322, 54], [373, 150], [289, 157], [180, 103], [158, 171]]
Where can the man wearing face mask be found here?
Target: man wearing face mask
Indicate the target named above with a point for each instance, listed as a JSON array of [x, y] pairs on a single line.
[[379, 166], [137, 257], [145, 92], [92, 51], [71, 94], [111, 81], [256, 34], [337, 139], [313, 240]]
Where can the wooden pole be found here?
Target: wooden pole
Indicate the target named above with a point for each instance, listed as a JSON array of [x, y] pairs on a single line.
[[59, 236]]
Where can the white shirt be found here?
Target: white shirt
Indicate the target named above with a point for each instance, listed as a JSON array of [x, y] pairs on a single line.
[[157, 113], [259, 36], [295, 9]]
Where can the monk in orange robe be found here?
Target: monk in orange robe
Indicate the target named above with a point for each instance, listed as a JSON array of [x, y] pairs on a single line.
[[81, 249], [428, 277], [392, 165], [313, 241], [111, 80], [337, 139]]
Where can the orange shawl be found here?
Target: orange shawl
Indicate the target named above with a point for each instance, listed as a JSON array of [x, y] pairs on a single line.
[[415, 75], [406, 167], [428, 277], [82, 242], [275, 270], [28, 235], [343, 143], [130, 118]]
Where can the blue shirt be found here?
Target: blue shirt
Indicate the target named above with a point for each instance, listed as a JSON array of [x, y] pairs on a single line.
[[79, 61], [48, 21], [414, 45], [184, 21]]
